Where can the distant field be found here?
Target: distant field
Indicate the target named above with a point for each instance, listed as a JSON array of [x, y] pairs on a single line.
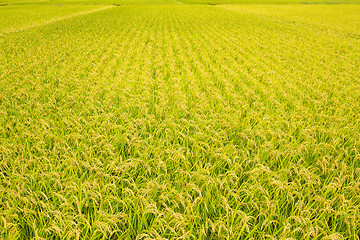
[[340, 19], [85, 2], [21, 1], [179, 121], [17, 17], [272, 2], [126, 2], [207, 2]]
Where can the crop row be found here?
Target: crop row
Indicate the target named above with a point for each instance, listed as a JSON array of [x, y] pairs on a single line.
[[191, 122]]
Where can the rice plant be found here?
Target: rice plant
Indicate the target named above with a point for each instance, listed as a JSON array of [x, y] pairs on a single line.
[[181, 122]]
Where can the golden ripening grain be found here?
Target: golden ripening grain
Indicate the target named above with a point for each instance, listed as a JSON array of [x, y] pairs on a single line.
[[163, 119]]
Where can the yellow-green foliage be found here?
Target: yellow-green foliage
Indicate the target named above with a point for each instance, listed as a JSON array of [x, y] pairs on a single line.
[[181, 122], [15, 18], [342, 18], [267, 2]]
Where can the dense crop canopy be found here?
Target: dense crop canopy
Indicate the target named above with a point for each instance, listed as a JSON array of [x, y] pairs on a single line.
[[177, 121]]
